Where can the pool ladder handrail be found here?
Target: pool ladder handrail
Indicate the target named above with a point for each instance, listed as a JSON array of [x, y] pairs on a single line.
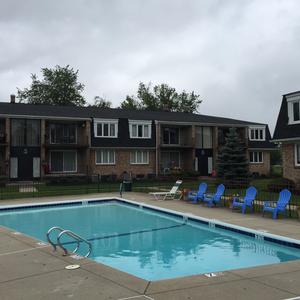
[[70, 233]]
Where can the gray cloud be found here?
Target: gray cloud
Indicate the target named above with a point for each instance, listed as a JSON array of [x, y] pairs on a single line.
[[240, 56]]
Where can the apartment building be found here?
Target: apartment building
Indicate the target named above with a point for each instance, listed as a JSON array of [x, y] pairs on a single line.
[[42, 141], [287, 133]]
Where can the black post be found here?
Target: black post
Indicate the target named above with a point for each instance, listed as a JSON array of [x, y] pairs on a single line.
[[98, 183]]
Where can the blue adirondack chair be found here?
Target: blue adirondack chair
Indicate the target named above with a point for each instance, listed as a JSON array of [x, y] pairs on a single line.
[[280, 205], [195, 196], [216, 197], [246, 201]]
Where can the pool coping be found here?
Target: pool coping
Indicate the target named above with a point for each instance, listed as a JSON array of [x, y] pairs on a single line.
[[138, 284]]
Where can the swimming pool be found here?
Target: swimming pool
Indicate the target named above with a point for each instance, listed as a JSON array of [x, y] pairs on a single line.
[[149, 243]]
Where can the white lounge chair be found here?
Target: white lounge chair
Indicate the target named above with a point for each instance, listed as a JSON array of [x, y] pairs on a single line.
[[169, 195]]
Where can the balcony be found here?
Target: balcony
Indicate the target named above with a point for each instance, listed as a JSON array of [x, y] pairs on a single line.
[[70, 142], [172, 137]]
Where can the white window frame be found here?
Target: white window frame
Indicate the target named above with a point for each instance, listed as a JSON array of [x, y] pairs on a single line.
[[109, 122], [143, 124], [259, 128], [135, 152], [100, 151], [256, 162], [59, 172], [296, 155], [290, 106]]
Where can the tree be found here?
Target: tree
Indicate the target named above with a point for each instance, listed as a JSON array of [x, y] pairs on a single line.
[[59, 86], [162, 97], [101, 102], [232, 159], [130, 103]]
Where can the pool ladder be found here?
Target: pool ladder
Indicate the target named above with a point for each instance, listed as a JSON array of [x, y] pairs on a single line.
[[71, 234]]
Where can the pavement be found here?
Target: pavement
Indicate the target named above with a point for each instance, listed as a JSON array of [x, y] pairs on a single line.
[[31, 270]]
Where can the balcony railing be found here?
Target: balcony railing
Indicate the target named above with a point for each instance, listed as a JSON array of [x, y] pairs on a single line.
[[70, 142]]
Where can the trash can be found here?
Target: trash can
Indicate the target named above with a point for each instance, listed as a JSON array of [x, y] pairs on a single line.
[[127, 186], [127, 182]]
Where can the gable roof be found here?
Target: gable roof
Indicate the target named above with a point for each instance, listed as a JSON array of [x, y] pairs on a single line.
[[283, 130], [49, 111]]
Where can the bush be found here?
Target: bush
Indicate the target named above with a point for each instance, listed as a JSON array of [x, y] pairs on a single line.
[[279, 184]]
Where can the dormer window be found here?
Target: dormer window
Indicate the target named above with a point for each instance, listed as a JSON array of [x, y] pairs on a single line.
[[257, 133], [293, 103], [106, 128], [140, 129]]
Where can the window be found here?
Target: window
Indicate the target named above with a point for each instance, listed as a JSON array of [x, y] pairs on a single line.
[[140, 129], [63, 161], [105, 157], [106, 128], [257, 133], [139, 157], [297, 155], [203, 137], [25, 132], [293, 107], [171, 136], [256, 157], [63, 133]]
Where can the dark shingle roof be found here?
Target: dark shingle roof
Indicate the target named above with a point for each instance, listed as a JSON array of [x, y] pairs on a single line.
[[93, 112], [282, 129]]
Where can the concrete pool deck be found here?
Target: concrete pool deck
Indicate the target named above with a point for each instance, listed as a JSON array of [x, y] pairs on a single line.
[[30, 270]]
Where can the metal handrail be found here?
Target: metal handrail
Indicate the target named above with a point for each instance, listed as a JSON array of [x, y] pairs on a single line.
[[77, 237], [48, 235], [71, 234]]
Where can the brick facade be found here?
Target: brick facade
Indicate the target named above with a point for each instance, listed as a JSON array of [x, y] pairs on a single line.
[[290, 171], [262, 168], [122, 163]]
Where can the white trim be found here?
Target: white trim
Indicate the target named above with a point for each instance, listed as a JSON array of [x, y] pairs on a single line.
[[142, 123], [296, 155], [256, 162], [58, 172], [286, 140], [135, 157], [290, 108], [101, 154], [253, 127], [108, 122]]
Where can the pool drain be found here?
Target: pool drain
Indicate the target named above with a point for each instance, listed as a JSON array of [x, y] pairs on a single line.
[[72, 267]]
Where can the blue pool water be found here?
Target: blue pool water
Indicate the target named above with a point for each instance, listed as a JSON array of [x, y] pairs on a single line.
[[147, 243]]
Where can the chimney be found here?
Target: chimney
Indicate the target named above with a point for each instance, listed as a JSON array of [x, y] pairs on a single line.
[[12, 98]]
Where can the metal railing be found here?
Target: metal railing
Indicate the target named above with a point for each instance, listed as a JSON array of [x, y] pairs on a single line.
[[78, 239], [96, 184]]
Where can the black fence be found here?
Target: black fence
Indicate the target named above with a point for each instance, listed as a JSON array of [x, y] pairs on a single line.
[[65, 185]]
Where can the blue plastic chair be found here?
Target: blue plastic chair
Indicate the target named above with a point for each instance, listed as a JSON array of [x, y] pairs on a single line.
[[215, 198], [195, 196], [246, 201], [280, 205]]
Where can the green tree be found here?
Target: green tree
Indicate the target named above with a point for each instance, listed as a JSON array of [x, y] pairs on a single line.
[[59, 86], [162, 97], [130, 103], [232, 159], [101, 102]]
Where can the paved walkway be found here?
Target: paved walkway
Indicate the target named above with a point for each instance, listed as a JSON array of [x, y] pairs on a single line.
[[32, 271]]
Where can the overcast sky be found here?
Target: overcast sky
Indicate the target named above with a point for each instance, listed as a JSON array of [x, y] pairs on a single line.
[[240, 55]]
